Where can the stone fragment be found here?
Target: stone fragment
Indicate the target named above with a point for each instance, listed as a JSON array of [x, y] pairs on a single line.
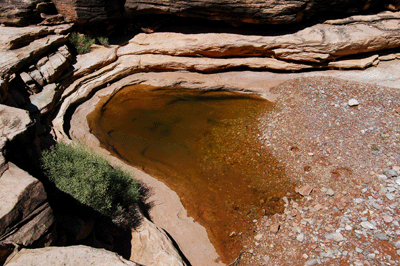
[[367, 225], [338, 237], [382, 236], [398, 110], [305, 190], [354, 63], [300, 237], [54, 67], [274, 228], [387, 218], [37, 76], [45, 100], [390, 173], [68, 256], [258, 237], [397, 245], [330, 192], [64, 51], [312, 262], [353, 102], [318, 207]]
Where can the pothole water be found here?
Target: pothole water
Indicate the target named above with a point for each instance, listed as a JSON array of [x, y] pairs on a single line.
[[205, 146]]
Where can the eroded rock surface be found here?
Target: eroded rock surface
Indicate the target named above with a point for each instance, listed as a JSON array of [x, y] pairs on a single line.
[[315, 44], [25, 215], [68, 256], [248, 11]]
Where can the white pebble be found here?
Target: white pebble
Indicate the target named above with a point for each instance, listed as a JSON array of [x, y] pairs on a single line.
[[353, 102]]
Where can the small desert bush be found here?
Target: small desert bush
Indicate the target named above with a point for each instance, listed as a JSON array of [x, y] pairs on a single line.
[[103, 41], [92, 181], [81, 42]]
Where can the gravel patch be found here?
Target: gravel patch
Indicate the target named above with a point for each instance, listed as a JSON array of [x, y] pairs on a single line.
[[340, 143]]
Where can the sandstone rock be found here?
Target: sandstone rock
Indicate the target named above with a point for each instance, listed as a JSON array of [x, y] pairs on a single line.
[[25, 216], [318, 43], [354, 63], [17, 37], [89, 11], [45, 100], [12, 61], [68, 256], [152, 246], [13, 122], [270, 11], [64, 51], [54, 67], [37, 76], [304, 190], [167, 62], [27, 79], [16, 12]]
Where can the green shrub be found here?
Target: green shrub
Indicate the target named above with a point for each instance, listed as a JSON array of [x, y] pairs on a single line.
[[81, 42], [92, 181], [103, 41]]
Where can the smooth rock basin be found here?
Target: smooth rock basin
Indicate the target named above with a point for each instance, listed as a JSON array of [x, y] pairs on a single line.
[[204, 145]]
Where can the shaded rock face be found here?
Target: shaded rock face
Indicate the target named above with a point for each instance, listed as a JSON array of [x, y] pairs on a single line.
[[247, 11], [22, 13], [90, 10]]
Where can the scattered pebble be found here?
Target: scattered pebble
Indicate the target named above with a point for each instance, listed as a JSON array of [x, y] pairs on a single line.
[[353, 102], [305, 190]]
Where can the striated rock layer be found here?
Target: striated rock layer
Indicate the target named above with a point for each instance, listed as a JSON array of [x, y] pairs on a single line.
[[247, 11]]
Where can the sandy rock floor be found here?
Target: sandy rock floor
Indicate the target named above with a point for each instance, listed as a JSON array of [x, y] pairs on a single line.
[[346, 163]]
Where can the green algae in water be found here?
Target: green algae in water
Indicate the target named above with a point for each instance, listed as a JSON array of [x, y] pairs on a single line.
[[205, 146]]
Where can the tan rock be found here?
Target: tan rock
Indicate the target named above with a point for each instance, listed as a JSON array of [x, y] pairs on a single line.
[[68, 256], [318, 43], [45, 100], [25, 216], [305, 190], [274, 228], [54, 67], [152, 246], [12, 61], [354, 63], [17, 37]]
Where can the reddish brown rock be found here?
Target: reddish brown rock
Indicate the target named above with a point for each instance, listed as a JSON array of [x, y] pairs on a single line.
[[305, 190], [275, 228]]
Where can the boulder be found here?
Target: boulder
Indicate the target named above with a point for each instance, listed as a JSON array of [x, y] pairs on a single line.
[[54, 67], [43, 101], [25, 216], [68, 256], [152, 246]]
